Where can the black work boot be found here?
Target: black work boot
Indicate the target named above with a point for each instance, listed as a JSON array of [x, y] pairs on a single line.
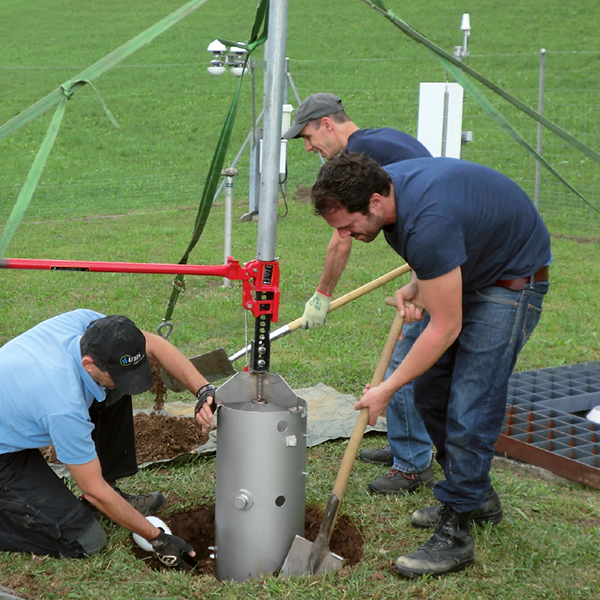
[[379, 456], [490, 510], [398, 482], [146, 504], [449, 549]]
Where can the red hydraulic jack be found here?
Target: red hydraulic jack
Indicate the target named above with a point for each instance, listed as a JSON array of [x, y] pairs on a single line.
[[260, 287]]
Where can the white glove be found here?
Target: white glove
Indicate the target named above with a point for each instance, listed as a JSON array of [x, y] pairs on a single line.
[[315, 311]]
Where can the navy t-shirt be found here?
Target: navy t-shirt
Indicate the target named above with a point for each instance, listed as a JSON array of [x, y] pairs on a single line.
[[456, 213], [386, 146]]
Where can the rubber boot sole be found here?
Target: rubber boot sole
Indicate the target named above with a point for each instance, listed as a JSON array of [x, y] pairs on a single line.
[[461, 566]]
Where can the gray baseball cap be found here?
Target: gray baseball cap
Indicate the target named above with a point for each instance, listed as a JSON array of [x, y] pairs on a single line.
[[314, 107]]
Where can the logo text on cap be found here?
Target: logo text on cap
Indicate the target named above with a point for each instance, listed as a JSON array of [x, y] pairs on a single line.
[[127, 360]]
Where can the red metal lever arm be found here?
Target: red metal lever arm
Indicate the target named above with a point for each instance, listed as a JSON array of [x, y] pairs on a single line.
[[256, 276]]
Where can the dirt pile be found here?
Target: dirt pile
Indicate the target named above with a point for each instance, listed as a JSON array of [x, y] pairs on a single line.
[[159, 437]]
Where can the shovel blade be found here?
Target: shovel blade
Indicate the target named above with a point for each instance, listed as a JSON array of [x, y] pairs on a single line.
[[214, 365], [297, 562]]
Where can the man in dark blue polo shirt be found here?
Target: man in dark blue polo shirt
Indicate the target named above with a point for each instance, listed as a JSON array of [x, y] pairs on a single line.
[[321, 121]]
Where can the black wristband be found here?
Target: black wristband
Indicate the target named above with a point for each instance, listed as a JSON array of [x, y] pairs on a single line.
[[206, 391]]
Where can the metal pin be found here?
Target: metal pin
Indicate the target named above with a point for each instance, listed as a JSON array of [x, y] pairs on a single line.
[[259, 397]]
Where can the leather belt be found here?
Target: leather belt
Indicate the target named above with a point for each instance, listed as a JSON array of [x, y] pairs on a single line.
[[520, 283]]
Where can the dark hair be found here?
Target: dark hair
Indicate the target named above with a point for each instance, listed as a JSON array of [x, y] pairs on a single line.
[[349, 181], [85, 344]]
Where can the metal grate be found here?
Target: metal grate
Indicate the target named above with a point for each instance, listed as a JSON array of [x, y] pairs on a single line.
[[540, 426]]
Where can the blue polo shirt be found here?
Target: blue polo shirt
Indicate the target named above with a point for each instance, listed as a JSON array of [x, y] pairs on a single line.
[[454, 213], [386, 146], [45, 393]]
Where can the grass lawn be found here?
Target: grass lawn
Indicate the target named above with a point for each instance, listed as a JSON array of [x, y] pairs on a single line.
[[131, 194]]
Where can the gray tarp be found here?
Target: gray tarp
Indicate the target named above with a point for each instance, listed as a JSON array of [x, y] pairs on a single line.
[[331, 416]]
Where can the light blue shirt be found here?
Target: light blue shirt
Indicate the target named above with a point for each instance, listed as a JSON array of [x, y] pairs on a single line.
[[45, 393]]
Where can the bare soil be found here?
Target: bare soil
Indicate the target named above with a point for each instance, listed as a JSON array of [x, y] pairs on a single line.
[[197, 527], [158, 388]]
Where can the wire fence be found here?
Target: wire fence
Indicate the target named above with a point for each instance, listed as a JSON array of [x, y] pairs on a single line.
[[376, 93], [571, 99]]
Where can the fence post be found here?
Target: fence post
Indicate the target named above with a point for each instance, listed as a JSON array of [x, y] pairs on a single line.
[[229, 174], [540, 129]]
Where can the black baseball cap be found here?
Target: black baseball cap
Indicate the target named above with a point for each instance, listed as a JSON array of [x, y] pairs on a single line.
[[117, 346], [314, 107]]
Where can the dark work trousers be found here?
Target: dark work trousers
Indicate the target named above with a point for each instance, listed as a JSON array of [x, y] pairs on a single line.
[[114, 436], [39, 514]]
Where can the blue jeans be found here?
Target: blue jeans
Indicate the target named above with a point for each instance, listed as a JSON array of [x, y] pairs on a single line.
[[462, 398], [409, 441]]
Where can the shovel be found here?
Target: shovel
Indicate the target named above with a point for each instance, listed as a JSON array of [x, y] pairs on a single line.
[[215, 365], [315, 557]]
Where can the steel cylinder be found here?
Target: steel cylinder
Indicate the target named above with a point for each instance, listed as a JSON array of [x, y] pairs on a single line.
[[261, 471]]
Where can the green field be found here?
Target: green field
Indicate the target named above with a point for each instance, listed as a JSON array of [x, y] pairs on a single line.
[[131, 194]]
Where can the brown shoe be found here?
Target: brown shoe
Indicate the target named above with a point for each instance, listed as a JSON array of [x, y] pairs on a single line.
[[378, 456], [398, 482], [146, 504]]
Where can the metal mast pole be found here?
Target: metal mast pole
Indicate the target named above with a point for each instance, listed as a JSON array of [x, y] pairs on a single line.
[[275, 80]]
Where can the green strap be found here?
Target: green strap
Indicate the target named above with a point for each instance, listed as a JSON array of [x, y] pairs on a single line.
[[33, 177], [60, 96], [39, 163], [257, 38], [415, 35], [102, 103], [110, 60]]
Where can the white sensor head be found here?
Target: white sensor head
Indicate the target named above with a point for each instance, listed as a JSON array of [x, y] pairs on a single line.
[[465, 23], [217, 47]]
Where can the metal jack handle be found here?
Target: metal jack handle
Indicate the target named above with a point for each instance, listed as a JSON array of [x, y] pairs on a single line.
[[260, 288], [265, 309]]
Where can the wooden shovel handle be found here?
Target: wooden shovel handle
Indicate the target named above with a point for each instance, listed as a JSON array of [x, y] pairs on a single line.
[[357, 293], [363, 417]]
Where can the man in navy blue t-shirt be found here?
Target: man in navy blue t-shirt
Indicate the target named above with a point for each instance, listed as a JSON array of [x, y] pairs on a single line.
[[480, 255], [321, 121]]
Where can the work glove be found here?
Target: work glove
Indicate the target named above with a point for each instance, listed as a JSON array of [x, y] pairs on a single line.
[[170, 550], [204, 393], [315, 311]]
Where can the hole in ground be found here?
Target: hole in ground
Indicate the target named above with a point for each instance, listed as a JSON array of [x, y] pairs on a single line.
[[197, 527]]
